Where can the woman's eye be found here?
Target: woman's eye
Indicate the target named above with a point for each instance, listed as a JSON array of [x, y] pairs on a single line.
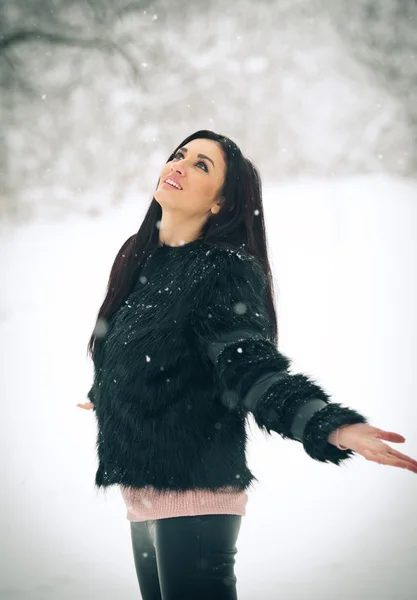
[[199, 163]]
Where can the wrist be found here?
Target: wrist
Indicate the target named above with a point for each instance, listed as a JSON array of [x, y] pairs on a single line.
[[334, 438]]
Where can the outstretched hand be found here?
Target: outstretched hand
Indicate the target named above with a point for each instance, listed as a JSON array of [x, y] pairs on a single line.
[[86, 405], [366, 440]]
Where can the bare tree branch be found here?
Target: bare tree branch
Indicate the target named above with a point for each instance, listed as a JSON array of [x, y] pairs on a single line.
[[24, 36], [132, 7], [26, 87]]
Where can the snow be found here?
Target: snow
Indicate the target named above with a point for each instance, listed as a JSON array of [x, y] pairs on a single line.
[[344, 257]]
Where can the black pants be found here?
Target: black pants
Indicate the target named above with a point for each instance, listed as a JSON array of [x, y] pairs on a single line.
[[186, 558]]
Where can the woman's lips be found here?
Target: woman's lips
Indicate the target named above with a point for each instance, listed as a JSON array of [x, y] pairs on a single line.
[[171, 186]]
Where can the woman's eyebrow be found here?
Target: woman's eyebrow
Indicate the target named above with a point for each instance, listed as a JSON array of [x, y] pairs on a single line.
[[199, 155]]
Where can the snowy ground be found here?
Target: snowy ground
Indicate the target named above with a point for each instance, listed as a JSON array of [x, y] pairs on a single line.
[[344, 255]]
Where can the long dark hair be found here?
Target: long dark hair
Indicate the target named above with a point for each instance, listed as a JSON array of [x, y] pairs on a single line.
[[239, 222]]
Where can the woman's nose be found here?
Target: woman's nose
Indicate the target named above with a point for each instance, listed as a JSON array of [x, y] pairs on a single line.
[[178, 167]]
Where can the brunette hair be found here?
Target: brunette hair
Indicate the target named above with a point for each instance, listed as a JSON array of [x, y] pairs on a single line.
[[239, 222]]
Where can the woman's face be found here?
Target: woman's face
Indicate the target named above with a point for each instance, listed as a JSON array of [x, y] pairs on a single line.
[[200, 178]]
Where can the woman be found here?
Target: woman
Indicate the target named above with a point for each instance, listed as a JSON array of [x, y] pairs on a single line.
[[184, 348]]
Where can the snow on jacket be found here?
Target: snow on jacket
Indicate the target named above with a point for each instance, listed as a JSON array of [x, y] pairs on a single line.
[[185, 360]]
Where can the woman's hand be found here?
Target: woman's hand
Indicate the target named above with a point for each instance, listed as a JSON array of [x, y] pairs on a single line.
[[86, 405], [366, 440]]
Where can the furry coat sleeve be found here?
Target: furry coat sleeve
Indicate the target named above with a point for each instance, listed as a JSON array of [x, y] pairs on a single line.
[[230, 321]]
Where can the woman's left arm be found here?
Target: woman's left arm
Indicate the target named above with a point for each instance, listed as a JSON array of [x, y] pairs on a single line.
[[231, 325]]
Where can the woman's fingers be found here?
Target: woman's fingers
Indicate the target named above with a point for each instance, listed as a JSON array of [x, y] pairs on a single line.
[[86, 405], [391, 436], [367, 440], [386, 458], [395, 453]]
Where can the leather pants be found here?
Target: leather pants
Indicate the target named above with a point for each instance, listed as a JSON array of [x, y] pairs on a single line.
[[186, 558]]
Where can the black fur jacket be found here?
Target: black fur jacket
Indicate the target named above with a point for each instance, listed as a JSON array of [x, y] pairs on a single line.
[[184, 361]]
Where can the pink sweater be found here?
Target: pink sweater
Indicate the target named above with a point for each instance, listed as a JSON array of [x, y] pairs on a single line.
[[148, 503]]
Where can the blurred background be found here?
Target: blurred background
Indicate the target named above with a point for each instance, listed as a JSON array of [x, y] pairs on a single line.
[[96, 93], [322, 96]]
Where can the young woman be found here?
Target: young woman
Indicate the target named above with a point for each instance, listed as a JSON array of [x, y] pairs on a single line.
[[184, 348]]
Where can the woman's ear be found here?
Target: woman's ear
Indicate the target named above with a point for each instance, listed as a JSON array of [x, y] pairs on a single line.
[[218, 205]]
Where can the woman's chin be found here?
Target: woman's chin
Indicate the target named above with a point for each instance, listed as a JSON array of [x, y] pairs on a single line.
[[163, 198], [163, 191]]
